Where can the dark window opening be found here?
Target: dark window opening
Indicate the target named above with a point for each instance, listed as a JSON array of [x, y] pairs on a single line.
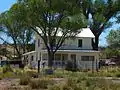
[[87, 58], [80, 43], [31, 58]]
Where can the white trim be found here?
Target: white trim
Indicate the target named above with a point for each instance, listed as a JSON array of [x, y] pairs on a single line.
[[73, 51], [29, 53]]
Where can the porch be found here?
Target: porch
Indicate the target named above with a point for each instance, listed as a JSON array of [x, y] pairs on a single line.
[[84, 59]]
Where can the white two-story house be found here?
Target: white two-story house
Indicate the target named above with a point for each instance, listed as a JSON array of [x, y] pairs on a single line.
[[78, 49]]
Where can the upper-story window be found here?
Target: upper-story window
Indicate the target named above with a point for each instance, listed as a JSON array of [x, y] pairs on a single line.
[[32, 57], [79, 42], [38, 42]]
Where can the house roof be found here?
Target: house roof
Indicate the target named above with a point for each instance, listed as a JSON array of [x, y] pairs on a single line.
[[85, 32]]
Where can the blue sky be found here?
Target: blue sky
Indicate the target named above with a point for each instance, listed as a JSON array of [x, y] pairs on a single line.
[[6, 4]]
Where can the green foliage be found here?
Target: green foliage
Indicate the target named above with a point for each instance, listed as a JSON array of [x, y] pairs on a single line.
[[18, 72], [113, 38], [1, 77], [7, 68], [52, 17], [8, 75], [24, 80], [71, 66], [32, 74], [15, 29], [41, 83], [98, 14], [76, 83]]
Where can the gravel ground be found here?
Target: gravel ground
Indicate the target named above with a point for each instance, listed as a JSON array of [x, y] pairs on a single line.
[[13, 84], [6, 83]]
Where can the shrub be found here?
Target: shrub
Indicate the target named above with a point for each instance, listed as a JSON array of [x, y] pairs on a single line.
[[54, 87], [7, 68], [1, 77], [60, 87], [117, 75], [71, 66], [24, 80], [28, 67], [18, 72], [43, 83], [35, 84], [32, 74], [8, 75]]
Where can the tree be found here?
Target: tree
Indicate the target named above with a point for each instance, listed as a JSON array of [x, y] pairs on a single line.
[[98, 13], [113, 39], [19, 35], [51, 17]]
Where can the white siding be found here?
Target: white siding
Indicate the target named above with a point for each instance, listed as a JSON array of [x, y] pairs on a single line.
[[70, 43], [87, 64]]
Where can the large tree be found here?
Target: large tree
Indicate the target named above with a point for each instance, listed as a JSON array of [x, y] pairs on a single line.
[[51, 17], [99, 14], [19, 36], [113, 39], [113, 45]]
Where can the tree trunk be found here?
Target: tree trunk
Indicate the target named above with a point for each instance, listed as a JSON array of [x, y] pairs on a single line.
[[50, 59], [95, 43]]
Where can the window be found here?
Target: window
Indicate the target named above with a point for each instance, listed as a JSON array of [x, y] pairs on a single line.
[[64, 57], [38, 42], [57, 56], [87, 58], [44, 57], [32, 58], [80, 43]]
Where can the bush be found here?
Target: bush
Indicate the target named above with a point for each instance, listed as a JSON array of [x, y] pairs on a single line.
[[18, 72], [54, 87], [34, 84], [33, 74], [24, 80], [71, 66], [60, 87], [117, 75], [43, 83], [28, 67], [8, 75], [7, 68], [1, 77]]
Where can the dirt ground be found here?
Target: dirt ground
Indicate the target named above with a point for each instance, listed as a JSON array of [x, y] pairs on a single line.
[[5, 84], [13, 84]]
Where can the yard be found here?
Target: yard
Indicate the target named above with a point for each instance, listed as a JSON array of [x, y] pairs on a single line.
[[17, 79]]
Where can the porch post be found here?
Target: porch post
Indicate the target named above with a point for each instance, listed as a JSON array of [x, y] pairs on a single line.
[[41, 60], [69, 56], [61, 61]]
